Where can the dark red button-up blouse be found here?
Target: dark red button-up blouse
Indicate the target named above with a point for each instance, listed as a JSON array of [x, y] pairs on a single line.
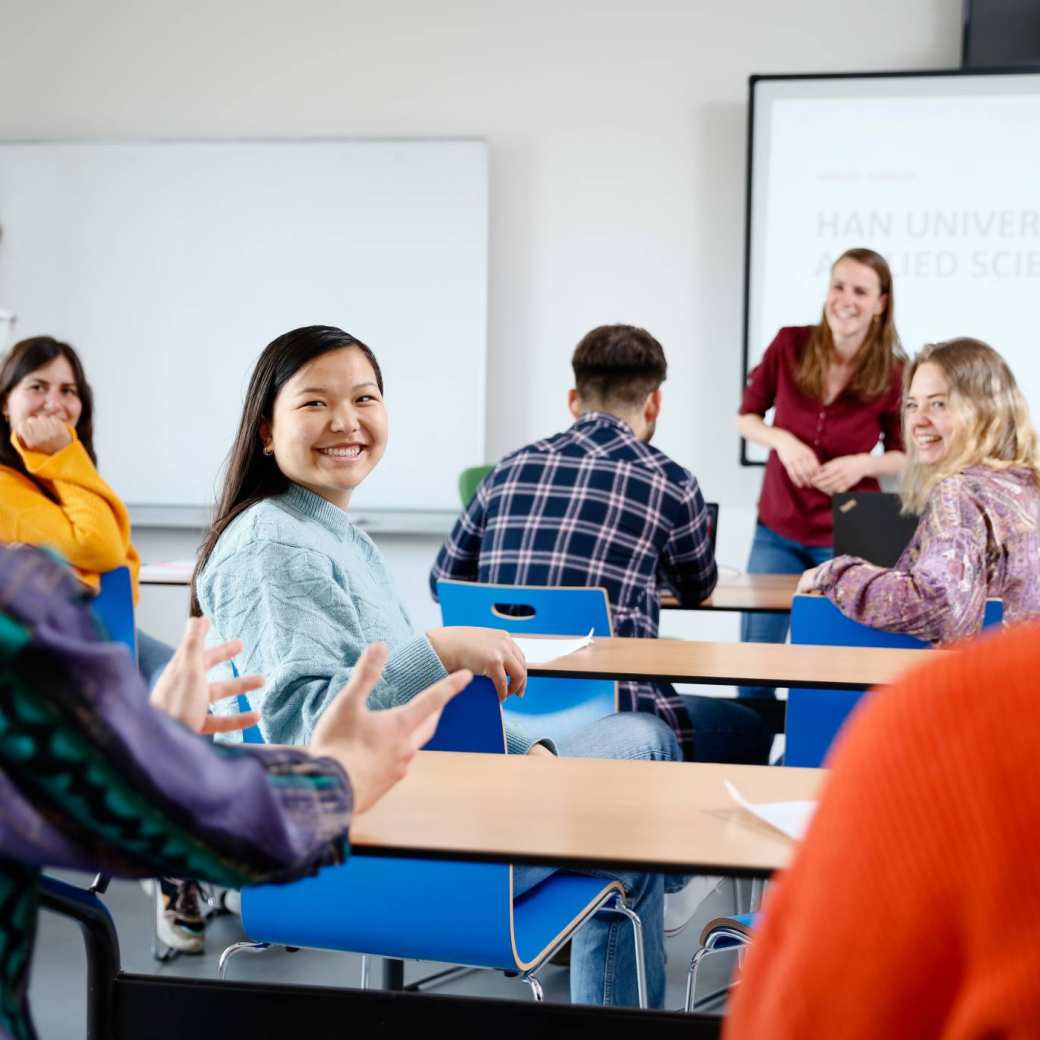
[[846, 426]]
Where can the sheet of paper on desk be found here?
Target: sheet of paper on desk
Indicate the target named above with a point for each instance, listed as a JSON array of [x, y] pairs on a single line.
[[172, 569], [538, 651], [790, 818]]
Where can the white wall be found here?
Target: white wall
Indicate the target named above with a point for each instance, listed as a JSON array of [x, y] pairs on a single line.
[[617, 136]]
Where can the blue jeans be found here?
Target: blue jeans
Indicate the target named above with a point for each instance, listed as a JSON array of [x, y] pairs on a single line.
[[772, 553], [603, 967], [153, 656]]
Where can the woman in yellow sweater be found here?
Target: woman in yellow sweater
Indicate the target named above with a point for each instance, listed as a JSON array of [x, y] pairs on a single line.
[[50, 489]]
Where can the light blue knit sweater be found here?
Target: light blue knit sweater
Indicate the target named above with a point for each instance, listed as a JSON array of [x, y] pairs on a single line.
[[306, 591]]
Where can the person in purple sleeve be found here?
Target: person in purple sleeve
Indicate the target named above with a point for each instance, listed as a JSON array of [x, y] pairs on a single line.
[[94, 777], [835, 390], [974, 475]]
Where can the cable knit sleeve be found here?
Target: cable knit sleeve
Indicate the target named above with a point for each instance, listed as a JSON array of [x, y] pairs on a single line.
[[937, 590], [304, 631]]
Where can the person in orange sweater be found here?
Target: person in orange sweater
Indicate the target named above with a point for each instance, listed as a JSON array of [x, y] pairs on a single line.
[[50, 489], [911, 908]]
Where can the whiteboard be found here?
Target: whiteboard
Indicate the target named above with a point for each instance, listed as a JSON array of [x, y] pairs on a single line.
[[938, 173], [170, 265]]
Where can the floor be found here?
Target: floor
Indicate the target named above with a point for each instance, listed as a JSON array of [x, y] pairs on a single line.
[[59, 991]]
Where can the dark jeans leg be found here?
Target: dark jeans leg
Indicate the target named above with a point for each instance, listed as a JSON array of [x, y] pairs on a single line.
[[726, 731]]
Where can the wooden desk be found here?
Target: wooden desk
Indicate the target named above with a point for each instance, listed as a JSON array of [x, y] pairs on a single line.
[[737, 664], [517, 808], [764, 593]]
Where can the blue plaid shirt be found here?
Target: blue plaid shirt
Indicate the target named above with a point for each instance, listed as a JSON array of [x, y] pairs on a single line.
[[592, 506]]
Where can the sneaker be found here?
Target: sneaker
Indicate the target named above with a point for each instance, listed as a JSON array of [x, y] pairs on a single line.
[[231, 901], [681, 907], [178, 916]]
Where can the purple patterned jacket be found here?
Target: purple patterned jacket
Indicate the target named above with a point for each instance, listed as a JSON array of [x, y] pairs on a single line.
[[979, 537]]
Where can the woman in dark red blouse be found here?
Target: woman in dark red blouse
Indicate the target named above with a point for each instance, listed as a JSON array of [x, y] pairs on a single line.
[[836, 388]]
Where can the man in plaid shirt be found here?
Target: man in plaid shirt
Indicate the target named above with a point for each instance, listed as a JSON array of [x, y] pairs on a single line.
[[597, 505]]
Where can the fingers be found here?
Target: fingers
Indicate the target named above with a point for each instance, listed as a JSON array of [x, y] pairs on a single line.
[[429, 704], [223, 652], [194, 634], [367, 672], [230, 723], [218, 691], [516, 666]]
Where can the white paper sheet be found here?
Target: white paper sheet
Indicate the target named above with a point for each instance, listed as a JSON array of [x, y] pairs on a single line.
[[790, 818], [174, 570], [538, 651]]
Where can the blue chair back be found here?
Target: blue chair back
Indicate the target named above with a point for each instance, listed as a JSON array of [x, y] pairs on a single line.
[[113, 606], [557, 706], [367, 903], [417, 908], [814, 717]]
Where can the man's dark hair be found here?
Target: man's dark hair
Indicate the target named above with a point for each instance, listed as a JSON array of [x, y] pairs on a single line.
[[618, 364]]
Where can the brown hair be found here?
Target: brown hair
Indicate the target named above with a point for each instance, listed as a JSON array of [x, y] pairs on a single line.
[[880, 351], [996, 428], [24, 358], [618, 364], [250, 475]]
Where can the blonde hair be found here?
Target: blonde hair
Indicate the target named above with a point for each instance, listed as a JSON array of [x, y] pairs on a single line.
[[996, 430], [878, 354]]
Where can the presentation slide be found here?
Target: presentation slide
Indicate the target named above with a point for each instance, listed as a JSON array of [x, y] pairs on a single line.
[[940, 174]]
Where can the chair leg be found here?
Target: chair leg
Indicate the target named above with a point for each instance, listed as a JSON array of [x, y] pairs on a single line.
[[235, 948], [757, 891], [364, 971], [691, 977], [536, 987], [621, 907]]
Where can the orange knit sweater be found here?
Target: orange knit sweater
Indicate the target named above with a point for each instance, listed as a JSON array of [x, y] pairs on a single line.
[[913, 907], [85, 521]]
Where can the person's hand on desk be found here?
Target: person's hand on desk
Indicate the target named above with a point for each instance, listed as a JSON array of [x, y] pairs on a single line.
[[807, 582], [842, 473], [184, 692], [484, 651], [46, 434], [376, 747]]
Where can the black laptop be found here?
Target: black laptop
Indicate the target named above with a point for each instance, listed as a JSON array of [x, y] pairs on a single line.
[[869, 525]]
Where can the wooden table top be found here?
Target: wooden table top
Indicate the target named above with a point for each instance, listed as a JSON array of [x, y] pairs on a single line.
[[738, 664], [766, 593], [571, 811]]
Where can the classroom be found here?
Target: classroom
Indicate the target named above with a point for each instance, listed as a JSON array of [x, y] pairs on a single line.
[[468, 189]]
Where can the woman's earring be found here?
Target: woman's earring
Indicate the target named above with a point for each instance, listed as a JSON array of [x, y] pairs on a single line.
[[268, 450]]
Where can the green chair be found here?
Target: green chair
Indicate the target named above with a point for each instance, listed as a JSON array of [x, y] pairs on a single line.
[[469, 479]]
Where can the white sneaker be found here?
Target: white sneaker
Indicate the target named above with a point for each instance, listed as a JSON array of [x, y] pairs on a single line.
[[681, 907], [179, 922]]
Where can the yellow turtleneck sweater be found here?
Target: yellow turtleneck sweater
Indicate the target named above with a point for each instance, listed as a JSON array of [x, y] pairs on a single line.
[[84, 521]]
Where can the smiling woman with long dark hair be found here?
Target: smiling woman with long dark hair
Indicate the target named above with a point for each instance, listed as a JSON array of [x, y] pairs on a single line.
[[286, 570]]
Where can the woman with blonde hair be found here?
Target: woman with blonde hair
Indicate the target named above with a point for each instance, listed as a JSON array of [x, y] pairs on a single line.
[[974, 475], [835, 390]]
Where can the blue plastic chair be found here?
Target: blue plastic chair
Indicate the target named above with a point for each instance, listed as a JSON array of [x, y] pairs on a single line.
[[458, 912], [113, 606], [561, 705], [814, 716]]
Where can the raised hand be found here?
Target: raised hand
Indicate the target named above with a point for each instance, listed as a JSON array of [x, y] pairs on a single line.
[[184, 692]]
